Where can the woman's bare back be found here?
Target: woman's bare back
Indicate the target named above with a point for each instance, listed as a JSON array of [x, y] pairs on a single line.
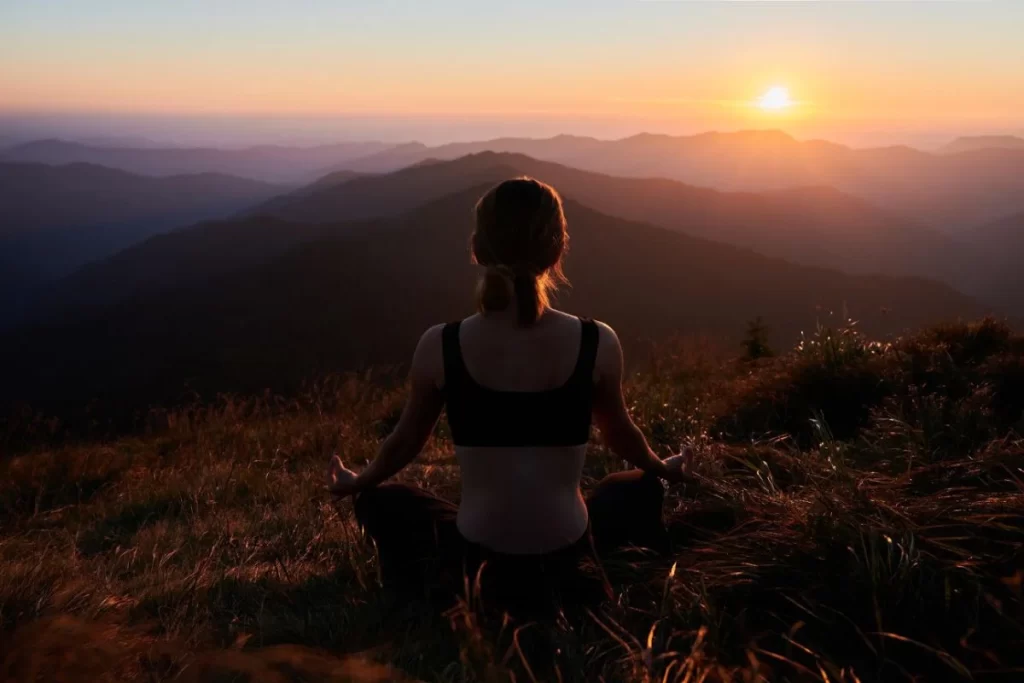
[[521, 499]]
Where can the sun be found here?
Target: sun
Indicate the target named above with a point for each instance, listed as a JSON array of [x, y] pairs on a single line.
[[776, 99]]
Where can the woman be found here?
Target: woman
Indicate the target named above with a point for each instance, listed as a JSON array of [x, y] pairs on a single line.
[[521, 382]]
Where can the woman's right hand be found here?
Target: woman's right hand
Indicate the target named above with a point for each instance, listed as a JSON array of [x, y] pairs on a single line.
[[341, 481]]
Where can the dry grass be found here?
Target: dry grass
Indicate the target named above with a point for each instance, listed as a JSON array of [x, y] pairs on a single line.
[[208, 552]]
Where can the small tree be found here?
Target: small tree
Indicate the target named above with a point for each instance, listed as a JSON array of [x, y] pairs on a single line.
[[755, 341]]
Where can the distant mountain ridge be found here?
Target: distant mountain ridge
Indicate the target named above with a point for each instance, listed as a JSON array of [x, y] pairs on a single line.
[[269, 163], [974, 143], [948, 191]]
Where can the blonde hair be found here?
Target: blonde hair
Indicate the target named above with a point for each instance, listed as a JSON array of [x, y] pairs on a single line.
[[520, 238]]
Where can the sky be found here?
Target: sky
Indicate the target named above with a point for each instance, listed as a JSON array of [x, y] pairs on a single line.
[[198, 69]]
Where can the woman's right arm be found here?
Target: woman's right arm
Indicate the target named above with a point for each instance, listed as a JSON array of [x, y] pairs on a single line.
[[617, 428], [420, 415]]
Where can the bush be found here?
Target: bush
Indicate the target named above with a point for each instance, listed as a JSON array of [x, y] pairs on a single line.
[[796, 393], [967, 344], [835, 377], [941, 393]]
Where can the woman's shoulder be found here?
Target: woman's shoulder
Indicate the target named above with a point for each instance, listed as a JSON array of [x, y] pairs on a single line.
[[433, 335], [605, 332], [608, 346], [427, 361], [608, 355]]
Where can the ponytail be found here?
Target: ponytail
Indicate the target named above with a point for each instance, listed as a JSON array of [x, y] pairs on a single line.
[[531, 298], [499, 284]]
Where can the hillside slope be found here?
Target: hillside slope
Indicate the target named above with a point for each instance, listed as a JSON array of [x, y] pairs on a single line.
[[1002, 243], [1003, 239], [36, 197]]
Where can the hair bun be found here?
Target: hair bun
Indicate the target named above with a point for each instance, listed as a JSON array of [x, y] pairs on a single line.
[[503, 270], [512, 272], [496, 288]]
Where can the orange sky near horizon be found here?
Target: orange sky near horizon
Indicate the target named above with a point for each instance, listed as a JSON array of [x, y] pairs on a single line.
[[874, 63]]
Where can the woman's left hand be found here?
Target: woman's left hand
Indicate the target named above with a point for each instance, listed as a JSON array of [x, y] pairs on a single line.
[[680, 465], [341, 481]]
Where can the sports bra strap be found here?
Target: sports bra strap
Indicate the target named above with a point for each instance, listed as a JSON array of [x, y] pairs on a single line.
[[455, 367], [587, 359], [451, 348]]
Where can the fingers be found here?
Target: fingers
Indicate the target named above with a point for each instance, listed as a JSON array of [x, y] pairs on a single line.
[[334, 469]]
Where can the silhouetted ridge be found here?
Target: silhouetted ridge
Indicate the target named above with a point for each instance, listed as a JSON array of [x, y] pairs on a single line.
[[811, 225], [943, 190]]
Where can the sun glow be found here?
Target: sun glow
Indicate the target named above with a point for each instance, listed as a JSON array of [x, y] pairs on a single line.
[[776, 99]]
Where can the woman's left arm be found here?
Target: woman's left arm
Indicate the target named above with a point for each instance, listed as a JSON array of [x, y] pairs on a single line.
[[418, 419]]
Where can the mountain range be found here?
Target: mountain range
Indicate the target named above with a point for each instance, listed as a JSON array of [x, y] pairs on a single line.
[[272, 284], [351, 294], [970, 182], [811, 226]]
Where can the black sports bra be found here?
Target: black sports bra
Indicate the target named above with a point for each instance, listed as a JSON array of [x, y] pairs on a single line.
[[479, 416]]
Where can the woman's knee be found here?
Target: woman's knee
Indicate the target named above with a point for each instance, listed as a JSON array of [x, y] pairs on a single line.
[[631, 485], [626, 509], [402, 509], [384, 501], [628, 500]]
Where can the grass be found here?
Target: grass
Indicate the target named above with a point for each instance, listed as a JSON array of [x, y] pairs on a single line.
[[860, 517]]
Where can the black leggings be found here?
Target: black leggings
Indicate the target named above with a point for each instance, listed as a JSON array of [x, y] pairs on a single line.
[[420, 547]]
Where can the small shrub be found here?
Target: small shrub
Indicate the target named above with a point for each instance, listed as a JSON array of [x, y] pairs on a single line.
[[755, 341], [839, 346]]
